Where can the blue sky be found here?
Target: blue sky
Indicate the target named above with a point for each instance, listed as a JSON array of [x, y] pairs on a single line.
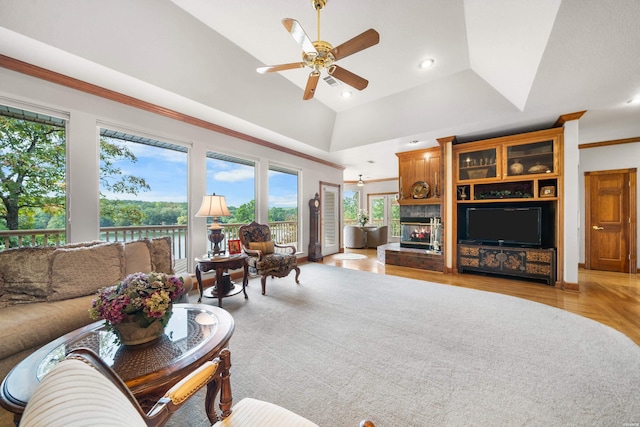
[[166, 173]]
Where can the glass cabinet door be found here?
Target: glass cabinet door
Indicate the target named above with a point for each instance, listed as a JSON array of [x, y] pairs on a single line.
[[477, 164], [528, 159]]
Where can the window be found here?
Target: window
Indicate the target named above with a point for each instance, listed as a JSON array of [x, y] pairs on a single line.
[[32, 178], [283, 205], [350, 207], [143, 189], [233, 178], [385, 210]]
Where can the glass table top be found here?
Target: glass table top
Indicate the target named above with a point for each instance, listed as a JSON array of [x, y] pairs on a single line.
[[187, 330]]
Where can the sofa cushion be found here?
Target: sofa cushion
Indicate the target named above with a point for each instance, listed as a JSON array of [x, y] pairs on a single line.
[[161, 255], [82, 271], [24, 275], [265, 247], [137, 256], [30, 326]]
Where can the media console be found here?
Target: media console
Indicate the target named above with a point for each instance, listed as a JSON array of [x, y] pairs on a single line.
[[533, 263]]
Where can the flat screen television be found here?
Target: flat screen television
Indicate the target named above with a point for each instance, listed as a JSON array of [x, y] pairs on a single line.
[[509, 226]]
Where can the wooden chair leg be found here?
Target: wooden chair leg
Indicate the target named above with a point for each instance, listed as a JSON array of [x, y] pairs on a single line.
[[297, 274], [263, 280]]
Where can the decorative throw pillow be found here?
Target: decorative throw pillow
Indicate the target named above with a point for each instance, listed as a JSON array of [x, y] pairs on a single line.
[[82, 271], [161, 255], [137, 257], [265, 247]]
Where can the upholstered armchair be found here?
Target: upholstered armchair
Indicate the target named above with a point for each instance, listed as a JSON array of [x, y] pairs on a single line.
[[267, 258], [377, 236], [83, 391], [354, 237]]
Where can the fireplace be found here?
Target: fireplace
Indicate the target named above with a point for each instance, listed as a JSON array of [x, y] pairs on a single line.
[[421, 233]]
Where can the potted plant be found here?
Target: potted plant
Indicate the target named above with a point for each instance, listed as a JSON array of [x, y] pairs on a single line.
[[363, 217], [139, 307]]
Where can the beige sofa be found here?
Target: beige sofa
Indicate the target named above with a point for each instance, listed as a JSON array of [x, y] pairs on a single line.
[[46, 292]]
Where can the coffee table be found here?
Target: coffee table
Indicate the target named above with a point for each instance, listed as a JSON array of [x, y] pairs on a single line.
[[195, 333]]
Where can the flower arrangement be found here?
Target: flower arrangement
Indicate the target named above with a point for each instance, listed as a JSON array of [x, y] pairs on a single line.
[[363, 217], [147, 297]]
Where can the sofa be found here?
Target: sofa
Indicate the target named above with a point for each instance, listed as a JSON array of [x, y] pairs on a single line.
[[46, 292]]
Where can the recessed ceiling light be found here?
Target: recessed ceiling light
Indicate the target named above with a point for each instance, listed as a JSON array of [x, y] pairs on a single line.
[[345, 93], [414, 142], [427, 63]]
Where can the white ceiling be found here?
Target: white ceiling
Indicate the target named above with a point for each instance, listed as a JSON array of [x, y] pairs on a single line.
[[502, 66]]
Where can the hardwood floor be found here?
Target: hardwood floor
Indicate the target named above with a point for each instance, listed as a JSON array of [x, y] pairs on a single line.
[[610, 298]]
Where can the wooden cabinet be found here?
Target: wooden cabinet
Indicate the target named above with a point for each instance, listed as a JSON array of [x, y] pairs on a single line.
[[519, 167], [517, 172], [521, 262], [416, 167]]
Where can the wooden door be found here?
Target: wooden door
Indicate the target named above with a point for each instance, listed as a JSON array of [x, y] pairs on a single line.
[[609, 222]]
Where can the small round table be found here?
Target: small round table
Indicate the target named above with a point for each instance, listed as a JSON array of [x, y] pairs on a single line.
[[221, 264], [195, 333]]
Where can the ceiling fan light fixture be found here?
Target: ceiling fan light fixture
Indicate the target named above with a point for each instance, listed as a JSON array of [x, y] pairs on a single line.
[[346, 93], [360, 181], [427, 63]]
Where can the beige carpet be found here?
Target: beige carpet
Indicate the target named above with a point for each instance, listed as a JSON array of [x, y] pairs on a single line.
[[345, 345]]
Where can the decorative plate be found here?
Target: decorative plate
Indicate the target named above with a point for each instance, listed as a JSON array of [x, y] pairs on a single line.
[[538, 168], [420, 190]]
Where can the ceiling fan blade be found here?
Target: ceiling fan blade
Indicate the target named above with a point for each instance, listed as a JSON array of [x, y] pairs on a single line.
[[348, 77], [281, 67], [360, 42], [312, 82], [298, 34]]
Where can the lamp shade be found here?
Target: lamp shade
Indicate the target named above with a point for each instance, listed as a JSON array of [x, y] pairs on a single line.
[[360, 181], [213, 205]]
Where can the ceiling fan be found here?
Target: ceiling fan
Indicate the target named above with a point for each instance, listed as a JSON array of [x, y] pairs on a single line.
[[321, 55]]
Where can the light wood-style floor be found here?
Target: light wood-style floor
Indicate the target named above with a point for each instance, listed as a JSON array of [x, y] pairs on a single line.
[[609, 298]]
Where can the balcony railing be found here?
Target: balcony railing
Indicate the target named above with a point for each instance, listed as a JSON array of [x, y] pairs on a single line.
[[283, 232]]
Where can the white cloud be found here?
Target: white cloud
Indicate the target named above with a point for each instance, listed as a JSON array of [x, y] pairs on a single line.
[[284, 201], [234, 175]]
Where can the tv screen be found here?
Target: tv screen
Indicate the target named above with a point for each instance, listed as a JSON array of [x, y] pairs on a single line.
[[512, 226]]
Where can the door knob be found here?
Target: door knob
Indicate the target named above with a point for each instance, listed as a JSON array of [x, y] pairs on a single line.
[[595, 227]]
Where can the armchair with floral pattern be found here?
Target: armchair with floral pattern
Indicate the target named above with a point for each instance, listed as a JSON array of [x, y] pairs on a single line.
[[267, 258]]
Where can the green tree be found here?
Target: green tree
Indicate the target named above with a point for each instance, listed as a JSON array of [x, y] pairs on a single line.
[[350, 203], [245, 213], [32, 169], [112, 179]]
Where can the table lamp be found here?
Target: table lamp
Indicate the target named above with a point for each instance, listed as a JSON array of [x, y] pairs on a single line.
[[214, 206]]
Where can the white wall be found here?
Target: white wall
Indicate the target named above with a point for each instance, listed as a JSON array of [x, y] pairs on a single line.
[[87, 111], [622, 156]]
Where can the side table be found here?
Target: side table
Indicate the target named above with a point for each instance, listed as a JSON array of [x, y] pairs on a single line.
[[221, 264]]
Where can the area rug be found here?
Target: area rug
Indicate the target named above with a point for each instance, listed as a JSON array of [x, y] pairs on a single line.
[[405, 352], [349, 256]]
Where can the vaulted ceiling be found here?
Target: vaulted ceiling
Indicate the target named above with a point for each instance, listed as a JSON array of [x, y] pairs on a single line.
[[501, 66]]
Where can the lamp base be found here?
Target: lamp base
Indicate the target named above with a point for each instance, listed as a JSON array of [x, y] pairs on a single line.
[[216, 236]]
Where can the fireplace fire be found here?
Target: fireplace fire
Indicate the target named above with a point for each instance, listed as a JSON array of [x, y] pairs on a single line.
[[421, 233]]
